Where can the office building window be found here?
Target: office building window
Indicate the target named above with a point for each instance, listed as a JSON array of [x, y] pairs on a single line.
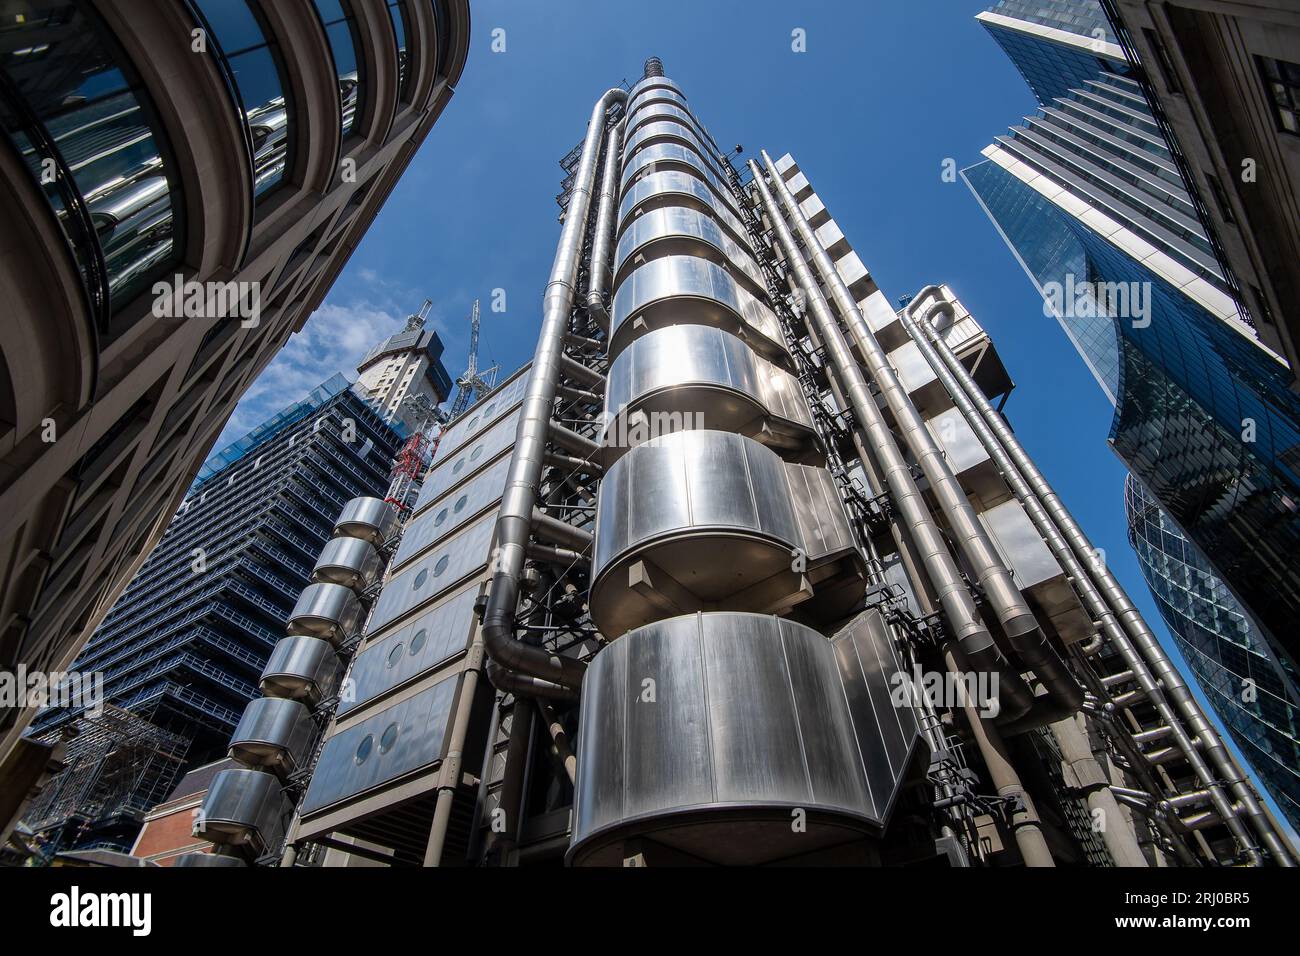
[[1282, 81]]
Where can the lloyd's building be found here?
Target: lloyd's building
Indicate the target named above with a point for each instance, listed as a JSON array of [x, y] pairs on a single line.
[[742, 568]]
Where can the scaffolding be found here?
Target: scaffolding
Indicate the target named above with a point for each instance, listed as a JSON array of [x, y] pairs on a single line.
[[118, 766]]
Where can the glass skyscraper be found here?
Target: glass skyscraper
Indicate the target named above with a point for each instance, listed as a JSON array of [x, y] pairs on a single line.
[[1088, 198], [1253, 693], [185, 644]]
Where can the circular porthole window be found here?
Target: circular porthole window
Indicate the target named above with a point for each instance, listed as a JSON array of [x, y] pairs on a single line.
[[455, 469], [472, 423], [388, 739], [420, 579], [442, 516], [441, 565], [417, 641], [460, 504], [474, 455], [395, 654], [487, 412], [363, 749]]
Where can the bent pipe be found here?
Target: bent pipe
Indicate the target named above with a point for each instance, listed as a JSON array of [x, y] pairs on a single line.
[[1018, 622], [602, 245], [1106, 601], [540, 673], [512, 682], [958, 605]]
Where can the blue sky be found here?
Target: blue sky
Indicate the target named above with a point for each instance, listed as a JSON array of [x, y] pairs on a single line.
[[885, 93]]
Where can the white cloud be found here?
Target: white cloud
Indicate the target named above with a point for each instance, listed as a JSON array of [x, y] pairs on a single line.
[[334, 339]]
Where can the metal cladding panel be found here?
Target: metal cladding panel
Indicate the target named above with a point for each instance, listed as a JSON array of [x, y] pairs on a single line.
[[913, 370], [301, 668], [876, 309], [652, 157], [329, 611], [273, 732], [351, 562], [450, 512], [672, 182], [887, 729], [371, 519], [693, 278], [650, 83], [244, 807], [480, 417], [745, 712], [400, 739], [823, 526], [675, 222], [660, 120], [426, 578], [961, 446], [692, 480], [416, 647], [1020, 544], [454, 468]]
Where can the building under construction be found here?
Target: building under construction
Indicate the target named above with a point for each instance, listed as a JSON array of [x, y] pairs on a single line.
[[743, 568]]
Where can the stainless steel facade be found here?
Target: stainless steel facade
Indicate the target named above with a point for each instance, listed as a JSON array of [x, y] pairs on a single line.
[[717, 543]]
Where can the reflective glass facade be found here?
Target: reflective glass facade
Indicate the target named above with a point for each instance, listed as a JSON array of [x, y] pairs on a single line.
[[340, 25], [1254, 694], [1204, 417], [1050, 68], [244, 47], [77, 114]]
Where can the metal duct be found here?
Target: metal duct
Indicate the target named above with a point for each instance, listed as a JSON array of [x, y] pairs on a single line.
[[514, 521], [1101, 592], [598, 283], [1018, 622], [959, 609]]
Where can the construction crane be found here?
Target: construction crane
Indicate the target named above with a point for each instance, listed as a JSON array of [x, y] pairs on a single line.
[[418, 452], [472, 383]]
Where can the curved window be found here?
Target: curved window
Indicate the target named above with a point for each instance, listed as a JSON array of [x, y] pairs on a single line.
[[395, 655], [420, 579], [363, 749], [82, 121], [417, 642], [397, 10], [340, 27], [441, 565], [254, 61], [460, 503], [388, 739]]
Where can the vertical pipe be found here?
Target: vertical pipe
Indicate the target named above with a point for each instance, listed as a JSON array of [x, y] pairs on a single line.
[[514, 522], [451, 764], [1105, 598], [950, 589], [601, 247], [1017, 620], [1025, 823]]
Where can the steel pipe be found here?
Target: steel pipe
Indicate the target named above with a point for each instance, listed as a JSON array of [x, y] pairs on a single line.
[[539, 671], [950, 589], [1018, 622], [1102, 594], [601, 247]]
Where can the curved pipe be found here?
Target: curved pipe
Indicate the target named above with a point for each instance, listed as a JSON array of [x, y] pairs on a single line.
[[1018, 622], [963, 618], [602, 245], [1101, 593], [540, 673]]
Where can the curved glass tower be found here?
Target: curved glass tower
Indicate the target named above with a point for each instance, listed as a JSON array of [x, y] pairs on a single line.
[[1223, 649]]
